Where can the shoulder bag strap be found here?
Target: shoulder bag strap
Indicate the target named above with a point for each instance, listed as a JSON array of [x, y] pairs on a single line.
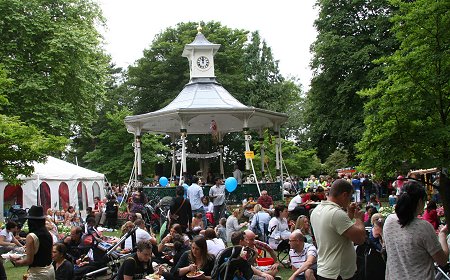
[[179, 208]]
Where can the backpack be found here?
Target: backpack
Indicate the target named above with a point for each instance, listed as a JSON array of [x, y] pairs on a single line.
[[229, 264], [262, 233]]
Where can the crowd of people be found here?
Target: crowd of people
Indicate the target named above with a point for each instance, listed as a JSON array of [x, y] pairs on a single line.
[[318, 229]]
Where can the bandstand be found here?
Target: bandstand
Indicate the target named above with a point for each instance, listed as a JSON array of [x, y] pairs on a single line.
[[202, 105]]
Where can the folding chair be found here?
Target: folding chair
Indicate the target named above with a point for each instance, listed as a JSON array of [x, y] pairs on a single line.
[[282, 250]]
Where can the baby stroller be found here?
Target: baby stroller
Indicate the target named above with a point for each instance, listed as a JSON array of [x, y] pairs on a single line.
[[151, 217], [282, 250], [17, 215], [370, 262], [232, 264], [156, 213], [164, 209]]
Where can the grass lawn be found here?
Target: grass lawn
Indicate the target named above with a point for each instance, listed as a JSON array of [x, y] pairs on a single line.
[[16, 273]]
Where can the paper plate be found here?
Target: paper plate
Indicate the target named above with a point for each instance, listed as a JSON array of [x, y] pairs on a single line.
[[153, 276], [12, 255], [194, 274]]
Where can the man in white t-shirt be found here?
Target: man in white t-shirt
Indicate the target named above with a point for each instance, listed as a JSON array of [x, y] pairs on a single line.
[[287, 185], [237, 174], [141, 235], [335, 232], [297, 205], [217, 194], [195, 195], [7, 239], [303, 257]]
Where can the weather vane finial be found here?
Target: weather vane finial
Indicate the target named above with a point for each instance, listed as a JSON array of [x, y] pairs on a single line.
[[199, 28]]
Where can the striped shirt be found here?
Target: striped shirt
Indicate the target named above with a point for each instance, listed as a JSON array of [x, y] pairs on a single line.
[[298, 258]]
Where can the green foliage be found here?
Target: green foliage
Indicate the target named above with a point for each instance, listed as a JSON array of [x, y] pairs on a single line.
[[51, 50], [352, 34], [265, 87], [298, 161], [407, 117], [5, 83], [20, 144], [158, 77], [114, 153], [244, 65], [337, 159]]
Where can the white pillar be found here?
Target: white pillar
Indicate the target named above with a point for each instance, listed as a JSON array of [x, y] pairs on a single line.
[[248, 137], [277, 153], [173, 171], [222, 172], [262, 152], [183, 168], [138, 158]]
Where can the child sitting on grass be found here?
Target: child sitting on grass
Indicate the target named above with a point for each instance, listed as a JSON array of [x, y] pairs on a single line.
[[197, 223], [221, 230]]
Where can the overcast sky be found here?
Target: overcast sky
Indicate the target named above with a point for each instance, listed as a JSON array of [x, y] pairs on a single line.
[[287, 26]]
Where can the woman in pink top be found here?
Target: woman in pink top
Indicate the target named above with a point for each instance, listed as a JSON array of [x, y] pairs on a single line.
[[430, 214]]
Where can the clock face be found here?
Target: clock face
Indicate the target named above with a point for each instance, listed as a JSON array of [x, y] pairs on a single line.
[[202, 62]]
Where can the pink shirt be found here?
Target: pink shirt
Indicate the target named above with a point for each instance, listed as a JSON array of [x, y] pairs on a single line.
[[431, 216]]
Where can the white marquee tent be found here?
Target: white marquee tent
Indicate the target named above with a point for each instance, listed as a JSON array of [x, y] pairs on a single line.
[[55, 184]]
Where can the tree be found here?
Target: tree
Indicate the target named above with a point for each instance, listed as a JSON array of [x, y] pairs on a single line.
[[407, 117], [297, 161], [244, 65], [337, 159], [158, 77], [52, 51], [116, 99], [114, 153], [352, 34], [21, 145], [265, 87]]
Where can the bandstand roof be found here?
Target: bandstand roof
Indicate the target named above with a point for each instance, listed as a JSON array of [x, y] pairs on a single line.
[[202, 101]]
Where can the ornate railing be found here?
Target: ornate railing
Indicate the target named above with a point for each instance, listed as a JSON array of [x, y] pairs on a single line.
[[242, 191]]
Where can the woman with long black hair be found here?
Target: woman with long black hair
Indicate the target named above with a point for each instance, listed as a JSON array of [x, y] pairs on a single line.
[[38, 247], [411, 243]]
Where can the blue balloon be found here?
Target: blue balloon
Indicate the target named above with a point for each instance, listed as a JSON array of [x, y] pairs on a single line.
[[163, 181], [231, 184]]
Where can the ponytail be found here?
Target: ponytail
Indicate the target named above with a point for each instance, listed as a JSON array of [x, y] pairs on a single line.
[[407, 203]]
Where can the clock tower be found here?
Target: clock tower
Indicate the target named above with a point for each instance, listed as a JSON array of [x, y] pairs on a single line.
[[200, 54]]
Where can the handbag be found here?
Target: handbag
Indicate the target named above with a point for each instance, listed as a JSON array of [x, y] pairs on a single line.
[[257, 229], [174, 216]]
